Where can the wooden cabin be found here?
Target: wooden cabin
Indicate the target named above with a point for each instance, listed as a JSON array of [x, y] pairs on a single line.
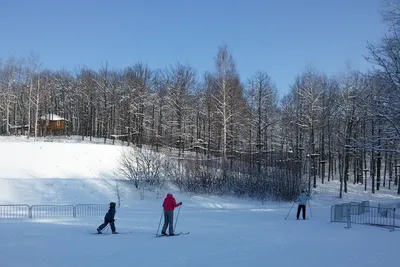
[[52, 124]]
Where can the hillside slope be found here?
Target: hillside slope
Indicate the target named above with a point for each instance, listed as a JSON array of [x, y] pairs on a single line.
[[72, 171]]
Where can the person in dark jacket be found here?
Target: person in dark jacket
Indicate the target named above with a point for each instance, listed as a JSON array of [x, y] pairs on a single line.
[[109, 219], [169, 205], [302, 200]]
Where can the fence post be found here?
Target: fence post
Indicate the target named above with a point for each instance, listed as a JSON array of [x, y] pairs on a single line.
[[30, 212], [348, 216], [394, 218], [74, 212]]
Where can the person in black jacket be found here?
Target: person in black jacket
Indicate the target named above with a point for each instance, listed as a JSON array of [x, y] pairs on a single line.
[[109, 219]]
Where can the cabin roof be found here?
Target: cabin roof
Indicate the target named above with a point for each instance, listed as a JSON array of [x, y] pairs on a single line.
[[52, 117]]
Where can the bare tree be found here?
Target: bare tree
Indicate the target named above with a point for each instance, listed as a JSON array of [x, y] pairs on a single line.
[[143, 167], [9, 80], [309, 88], [227, 101], [32, 67], [262, 99], [136, 87], [385, 54], [180, 81]]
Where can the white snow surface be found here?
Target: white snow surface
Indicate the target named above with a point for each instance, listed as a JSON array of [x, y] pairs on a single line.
[[224, 231]]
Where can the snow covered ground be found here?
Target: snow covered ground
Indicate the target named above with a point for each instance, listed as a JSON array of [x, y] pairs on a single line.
[[223, 231]]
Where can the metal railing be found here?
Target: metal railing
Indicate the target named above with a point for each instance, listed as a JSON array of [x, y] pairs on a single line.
[[15, 211], [23, 211], [364, 213], [52, 211], [90, 210]]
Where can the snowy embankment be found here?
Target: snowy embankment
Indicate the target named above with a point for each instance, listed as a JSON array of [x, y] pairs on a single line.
[[223, 231], [71, 171]]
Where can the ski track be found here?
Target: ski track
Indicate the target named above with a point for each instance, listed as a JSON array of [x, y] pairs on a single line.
[[232, 238]]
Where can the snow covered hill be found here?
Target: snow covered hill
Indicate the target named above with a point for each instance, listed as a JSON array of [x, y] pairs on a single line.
[[52, 172], [223, 231], [71, 171]]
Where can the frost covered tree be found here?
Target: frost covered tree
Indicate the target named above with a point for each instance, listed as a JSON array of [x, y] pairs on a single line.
[[385, 54], [10, 75], [144, 167], [137, 82], [179, 81], [309, 89], [32, 68], [262, 99], [227, 104]]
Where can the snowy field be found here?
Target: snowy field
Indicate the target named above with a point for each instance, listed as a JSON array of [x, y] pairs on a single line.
[[223, 231]]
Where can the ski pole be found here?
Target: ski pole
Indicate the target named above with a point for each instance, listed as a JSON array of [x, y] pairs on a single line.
[[290, 210], [159, 222], [176, 221]]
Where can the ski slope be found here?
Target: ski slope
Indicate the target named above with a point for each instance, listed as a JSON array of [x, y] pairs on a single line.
[[223, 231]]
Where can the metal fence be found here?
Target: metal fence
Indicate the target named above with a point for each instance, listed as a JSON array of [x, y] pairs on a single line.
[[23, 211], [52, 211], [90, 210], [15, 211], [364, 213]]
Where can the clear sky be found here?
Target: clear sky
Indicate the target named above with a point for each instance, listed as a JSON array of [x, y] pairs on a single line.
[[277, 36]]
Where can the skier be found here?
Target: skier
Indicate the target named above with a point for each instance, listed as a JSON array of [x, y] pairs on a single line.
[[169, 205], [302, 200], [109, 219]]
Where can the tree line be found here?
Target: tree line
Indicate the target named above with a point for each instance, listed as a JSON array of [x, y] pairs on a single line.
[[229, 135]]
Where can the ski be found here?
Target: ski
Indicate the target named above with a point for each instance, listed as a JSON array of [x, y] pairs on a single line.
[[181, 233], [185, 233], [119, 233]]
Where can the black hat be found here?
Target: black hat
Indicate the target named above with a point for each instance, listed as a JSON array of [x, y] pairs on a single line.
[[112, 204]]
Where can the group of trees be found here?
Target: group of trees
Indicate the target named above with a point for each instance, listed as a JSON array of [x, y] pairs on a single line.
[[229, 135]]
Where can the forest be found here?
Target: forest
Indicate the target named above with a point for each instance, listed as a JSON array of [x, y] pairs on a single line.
[[230, 136]]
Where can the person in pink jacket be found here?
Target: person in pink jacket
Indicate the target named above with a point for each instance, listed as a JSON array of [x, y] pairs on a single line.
[[169, 205]]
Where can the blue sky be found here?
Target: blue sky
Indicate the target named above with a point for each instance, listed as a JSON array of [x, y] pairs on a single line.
[[279, 37]]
